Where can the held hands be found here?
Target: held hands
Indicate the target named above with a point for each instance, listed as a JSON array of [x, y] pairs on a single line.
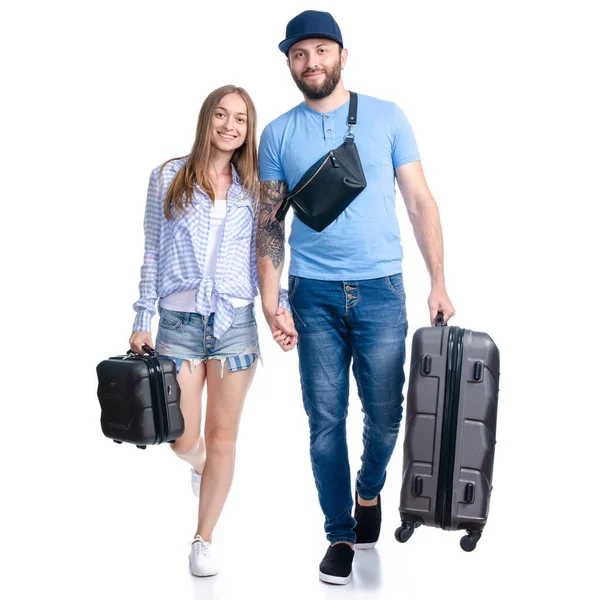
[[281, 324], [439, 302], [139, 339]]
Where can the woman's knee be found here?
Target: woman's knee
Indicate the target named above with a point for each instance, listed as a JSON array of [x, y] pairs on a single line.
[[221, 441], [186, 445]]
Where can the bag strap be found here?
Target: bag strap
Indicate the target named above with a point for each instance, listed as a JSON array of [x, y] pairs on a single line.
[[352, 112], [348, 139]]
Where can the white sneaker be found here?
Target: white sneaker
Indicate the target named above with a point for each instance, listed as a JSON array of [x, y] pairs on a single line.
[[202, 561], [195, 483]]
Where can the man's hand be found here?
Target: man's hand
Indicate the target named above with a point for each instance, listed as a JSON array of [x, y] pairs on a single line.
[[439, 302], [281, 324]]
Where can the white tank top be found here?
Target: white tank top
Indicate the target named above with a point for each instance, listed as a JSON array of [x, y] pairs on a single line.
[[186, 301]]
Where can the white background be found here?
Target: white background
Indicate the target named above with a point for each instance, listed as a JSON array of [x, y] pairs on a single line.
[[503, 100]]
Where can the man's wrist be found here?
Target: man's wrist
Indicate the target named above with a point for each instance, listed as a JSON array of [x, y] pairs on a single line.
[[270, 308], [438, 283]]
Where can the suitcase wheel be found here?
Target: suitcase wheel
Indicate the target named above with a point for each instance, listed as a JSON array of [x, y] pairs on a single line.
[[141, 447], [469, 542], [117, 441], [405, 531]]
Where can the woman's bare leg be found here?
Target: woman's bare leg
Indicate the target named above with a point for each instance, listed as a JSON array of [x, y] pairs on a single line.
[[190, 446], [225, 401]]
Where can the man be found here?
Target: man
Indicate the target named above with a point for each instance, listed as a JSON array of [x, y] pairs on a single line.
[[345, 287]]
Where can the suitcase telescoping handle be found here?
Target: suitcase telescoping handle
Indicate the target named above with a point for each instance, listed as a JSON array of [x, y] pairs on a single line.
[[439, 320]]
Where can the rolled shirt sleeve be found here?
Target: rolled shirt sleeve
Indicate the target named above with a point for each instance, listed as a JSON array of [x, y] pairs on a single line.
[[145, 306]]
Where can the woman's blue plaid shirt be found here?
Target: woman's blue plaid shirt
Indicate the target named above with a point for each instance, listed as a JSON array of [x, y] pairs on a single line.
[[175, 252]]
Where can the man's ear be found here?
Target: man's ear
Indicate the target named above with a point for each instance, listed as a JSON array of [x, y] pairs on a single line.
[[344, 56]]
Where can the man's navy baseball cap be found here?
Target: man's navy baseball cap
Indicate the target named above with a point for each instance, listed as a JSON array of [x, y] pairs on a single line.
[[311, 24]]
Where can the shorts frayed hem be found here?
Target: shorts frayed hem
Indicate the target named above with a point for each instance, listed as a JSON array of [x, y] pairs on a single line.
[[237, 362]]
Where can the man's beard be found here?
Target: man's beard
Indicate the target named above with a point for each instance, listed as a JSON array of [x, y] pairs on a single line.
[[315, 92]]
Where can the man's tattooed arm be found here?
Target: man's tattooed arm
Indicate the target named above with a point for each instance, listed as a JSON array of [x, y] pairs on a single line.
[[270, 238], [270, 243], [270, 250]]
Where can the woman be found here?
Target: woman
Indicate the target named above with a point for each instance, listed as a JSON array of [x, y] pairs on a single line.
[[200, 264]]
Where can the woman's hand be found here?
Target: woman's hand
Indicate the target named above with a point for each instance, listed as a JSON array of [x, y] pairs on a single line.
[[282, 328], [139, 339]]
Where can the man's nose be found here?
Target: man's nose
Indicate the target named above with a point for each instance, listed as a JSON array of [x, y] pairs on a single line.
[[312, 60]]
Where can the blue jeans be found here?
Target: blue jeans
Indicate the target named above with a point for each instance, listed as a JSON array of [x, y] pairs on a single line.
[[338, 322]]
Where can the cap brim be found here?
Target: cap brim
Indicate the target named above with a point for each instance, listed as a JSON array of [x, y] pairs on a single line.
[[288, 43]]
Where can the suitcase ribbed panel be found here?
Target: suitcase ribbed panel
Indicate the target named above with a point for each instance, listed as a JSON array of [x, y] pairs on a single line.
[[476, 432], [423, 425]]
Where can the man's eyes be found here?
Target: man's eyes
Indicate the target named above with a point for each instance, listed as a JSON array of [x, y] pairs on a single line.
[[320, 50]]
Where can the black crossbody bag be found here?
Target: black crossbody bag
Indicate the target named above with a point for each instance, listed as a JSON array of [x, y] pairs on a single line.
[[330, 185]]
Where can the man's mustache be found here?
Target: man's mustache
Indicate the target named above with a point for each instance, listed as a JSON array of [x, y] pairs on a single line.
[[309, 71]]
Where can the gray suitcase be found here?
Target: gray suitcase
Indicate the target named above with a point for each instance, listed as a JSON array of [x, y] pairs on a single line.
[[450, 432]]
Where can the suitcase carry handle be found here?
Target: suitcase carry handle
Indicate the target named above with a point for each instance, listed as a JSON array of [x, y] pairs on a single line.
[[145, 348], [439, 320]]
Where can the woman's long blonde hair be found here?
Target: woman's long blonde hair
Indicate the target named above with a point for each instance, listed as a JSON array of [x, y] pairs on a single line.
[[196, 169]]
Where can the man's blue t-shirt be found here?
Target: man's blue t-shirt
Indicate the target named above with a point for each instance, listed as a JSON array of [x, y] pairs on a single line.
[[364, 241]]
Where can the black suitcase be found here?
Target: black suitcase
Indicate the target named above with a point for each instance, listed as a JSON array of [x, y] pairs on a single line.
[[139, 399], [450, 432]]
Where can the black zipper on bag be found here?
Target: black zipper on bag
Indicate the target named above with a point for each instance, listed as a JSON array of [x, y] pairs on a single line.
[[159, 401], [443, 512]]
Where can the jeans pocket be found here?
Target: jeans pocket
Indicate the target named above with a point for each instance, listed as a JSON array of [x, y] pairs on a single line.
[[243, 317], [170, 319], [292, 285], [396, 284]]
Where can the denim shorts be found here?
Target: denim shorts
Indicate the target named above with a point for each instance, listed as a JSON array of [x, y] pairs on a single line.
[[190, 336]]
